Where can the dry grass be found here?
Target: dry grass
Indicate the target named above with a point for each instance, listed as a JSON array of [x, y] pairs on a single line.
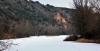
[[8, 36], [88, 40], [52, 35]]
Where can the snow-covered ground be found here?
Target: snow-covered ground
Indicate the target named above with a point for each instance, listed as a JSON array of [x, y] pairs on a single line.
[[52, 43]]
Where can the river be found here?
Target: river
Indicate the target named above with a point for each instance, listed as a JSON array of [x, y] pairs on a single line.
[[52, 43]]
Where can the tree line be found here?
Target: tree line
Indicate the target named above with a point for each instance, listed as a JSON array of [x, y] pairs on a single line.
[[85, 18]]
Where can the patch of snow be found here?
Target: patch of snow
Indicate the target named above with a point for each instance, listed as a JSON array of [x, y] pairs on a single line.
[[52, 43]]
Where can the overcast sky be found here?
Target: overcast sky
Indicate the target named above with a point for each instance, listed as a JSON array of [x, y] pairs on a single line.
[[58, 3]]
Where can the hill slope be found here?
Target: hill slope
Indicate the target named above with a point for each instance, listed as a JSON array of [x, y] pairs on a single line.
[[28, 17]]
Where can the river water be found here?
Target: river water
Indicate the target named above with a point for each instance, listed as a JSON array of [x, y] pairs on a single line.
[[52, 43]]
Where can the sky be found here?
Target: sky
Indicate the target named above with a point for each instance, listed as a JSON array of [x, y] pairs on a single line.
[[57, 3]]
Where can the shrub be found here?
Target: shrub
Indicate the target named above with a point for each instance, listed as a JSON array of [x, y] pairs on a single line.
[[71, 38], [96, 37], [88, 40], [8, 36]]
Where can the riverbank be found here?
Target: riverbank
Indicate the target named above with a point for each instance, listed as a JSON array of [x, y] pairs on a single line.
[[78, 39]]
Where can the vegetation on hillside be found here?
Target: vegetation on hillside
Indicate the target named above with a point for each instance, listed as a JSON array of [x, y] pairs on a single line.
[[22, 18]]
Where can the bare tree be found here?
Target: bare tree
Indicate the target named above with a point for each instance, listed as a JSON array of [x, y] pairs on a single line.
[[95, 4], [96, 19], [21, 29], [81, 15], [1, 30], [2, 27]]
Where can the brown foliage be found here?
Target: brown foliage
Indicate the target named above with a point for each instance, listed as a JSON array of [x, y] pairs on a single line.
[[88, 40], [8, 36]]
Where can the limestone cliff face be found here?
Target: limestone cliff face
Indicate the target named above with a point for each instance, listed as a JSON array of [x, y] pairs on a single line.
[[60, 20]]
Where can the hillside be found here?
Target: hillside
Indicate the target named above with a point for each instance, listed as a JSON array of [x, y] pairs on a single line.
[[25, 18]]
